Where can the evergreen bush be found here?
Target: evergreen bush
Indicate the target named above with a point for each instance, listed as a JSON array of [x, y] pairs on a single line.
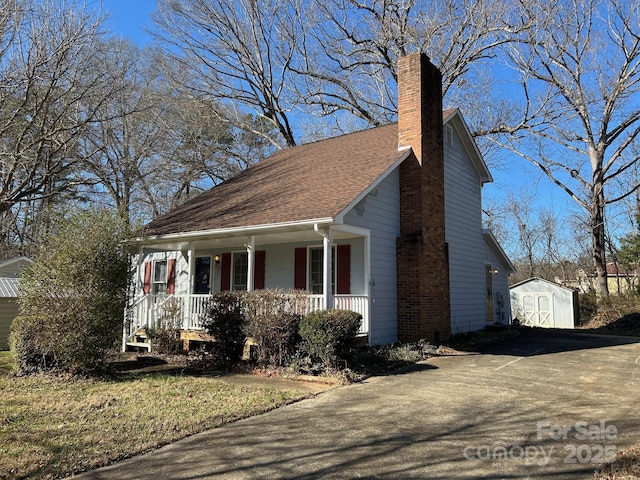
[[71, 300], [225, 320], [329, 335]]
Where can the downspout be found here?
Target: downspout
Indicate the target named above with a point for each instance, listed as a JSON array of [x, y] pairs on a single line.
[[327, 241]]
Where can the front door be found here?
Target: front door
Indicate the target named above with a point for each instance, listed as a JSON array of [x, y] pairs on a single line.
[[202, 284]]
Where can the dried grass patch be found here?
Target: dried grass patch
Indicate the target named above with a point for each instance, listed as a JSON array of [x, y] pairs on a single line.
[[53, 426], [626, 466]]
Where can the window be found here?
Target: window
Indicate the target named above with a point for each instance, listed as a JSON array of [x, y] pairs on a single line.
[[239, 274], [202, 283], [159, 277], [316, 260]]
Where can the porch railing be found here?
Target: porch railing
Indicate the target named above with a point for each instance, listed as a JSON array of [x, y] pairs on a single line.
[[187, 311], [356, 303], [152, 311]]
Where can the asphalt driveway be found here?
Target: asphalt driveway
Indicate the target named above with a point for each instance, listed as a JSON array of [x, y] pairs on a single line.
[[544, 405]]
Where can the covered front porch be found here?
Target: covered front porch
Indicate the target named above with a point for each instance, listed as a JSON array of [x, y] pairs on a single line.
[[175, 276]]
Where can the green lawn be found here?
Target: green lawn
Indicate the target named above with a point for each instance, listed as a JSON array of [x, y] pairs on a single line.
[[52, 426]]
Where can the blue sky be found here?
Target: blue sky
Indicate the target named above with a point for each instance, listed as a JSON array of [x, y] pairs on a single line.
[[129, 17]]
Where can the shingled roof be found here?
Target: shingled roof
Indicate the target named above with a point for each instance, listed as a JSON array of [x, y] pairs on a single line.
[[312, 181]]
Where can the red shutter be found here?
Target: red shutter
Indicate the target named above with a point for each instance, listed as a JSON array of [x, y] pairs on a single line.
[[146, 286], [259, 271], [225, 272], [300, 269], [171, 276], [343, 264]]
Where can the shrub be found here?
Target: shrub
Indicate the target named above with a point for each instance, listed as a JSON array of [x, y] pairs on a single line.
[[225, 321], [328, 335], [72, 299], [272, 323], [25, 343], [165, 338]]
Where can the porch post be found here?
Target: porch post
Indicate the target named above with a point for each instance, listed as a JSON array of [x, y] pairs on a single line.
[[369, 283], [250, 263], [326, 269], [192, 274]]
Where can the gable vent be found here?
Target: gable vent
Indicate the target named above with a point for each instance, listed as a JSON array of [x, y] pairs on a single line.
[[448, 135]]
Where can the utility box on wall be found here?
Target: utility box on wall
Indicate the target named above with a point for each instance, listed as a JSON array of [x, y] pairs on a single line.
[[540, 303]]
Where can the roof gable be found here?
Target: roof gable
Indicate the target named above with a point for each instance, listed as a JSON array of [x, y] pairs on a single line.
[[539, 280], [13, 267], [316, 182], [455, 118], [497, 250]]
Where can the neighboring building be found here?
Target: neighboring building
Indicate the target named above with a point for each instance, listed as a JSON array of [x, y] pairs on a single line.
[[540, 303], [619, 279], [10, 272], [386, 222]]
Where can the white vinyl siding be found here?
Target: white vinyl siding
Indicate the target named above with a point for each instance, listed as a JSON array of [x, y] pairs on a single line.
[[380, 212], [467, 247], [182, 286]]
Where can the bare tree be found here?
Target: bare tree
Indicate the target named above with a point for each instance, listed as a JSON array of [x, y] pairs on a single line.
[[579, 66], [293, 61], [52, 85], [236, 53], [201, 149], [348, 60], [121, 152], [157, 146]]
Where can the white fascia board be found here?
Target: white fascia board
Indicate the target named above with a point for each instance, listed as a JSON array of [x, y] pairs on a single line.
[[471, 146], [497, 248], [233, 231], [541, 280], [340, 217]]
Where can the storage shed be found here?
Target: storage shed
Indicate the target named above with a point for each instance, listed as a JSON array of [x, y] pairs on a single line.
[[540, 303], [10, 272]]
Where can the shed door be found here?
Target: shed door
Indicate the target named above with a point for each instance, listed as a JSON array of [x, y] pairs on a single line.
[[537, 309]]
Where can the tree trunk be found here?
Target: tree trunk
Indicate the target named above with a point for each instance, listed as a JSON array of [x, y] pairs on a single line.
[[598, 235]]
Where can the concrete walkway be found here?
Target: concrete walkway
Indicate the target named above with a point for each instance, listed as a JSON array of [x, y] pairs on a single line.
[[544, 405]]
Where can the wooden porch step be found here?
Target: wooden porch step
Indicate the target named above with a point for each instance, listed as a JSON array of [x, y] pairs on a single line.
[[138, 346]]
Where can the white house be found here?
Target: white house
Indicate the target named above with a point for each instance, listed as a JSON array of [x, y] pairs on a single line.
[[385, 221], [536, 302]]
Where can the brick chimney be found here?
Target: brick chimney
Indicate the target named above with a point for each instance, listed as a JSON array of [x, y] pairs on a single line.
[[422, 258]]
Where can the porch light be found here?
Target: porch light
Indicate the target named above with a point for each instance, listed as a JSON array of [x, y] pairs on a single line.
[[495, 271], [217, 258]]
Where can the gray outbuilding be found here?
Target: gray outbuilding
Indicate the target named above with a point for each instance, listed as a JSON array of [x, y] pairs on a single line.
[[10, 272], [540, 303]]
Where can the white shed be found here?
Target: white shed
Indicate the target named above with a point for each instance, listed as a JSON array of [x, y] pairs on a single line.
[[10, 272], [540, 303]]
